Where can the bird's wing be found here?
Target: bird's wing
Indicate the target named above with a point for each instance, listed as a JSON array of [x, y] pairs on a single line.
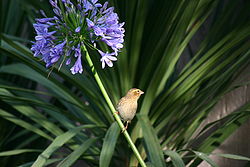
[[120, 102]]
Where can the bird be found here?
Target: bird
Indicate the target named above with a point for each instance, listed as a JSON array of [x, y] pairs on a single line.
[[127, 105]]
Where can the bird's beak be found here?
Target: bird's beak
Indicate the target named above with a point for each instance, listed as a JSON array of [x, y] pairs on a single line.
[[142, 92]]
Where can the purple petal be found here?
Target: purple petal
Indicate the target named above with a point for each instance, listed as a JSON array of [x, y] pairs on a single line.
[[113, 58], [68, 61], [103, 64], [90, 23], [55, 59], [77, 68], [44, 20], [78, 29], [109, 63]]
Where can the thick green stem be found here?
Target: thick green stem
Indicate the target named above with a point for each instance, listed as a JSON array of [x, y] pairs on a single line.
[[112, 108]]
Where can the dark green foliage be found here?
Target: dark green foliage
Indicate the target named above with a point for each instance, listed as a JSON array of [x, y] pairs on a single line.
[[182, 83]]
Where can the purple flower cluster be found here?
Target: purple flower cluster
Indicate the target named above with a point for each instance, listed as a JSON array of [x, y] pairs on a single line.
[[107, 28], [61, 38]]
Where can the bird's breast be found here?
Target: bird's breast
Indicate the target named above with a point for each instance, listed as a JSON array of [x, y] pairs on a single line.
[[127, 110]]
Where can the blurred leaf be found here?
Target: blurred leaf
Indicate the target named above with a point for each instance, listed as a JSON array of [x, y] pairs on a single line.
[[57, 143], [175, 158], [226, 129], [153, 147], [49, 162], [16, 152], [185, 55], [205, 158], [23, 124], [71, 158], [109, 145], [54, 86], [34, 115], [232, 156]]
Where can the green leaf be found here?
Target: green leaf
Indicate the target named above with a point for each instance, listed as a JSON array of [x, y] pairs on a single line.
[[232, 156], [49, 162], [57, 143], [56, 112], [183, 54], [70, 159], [109, 143], [206, 158], [19, 151], [23, 124], [23, 54], [34, 115], [230, 124], [152, 143], [175, 158]]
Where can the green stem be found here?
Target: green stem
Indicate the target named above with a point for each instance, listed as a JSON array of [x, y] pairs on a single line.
[[112, 108]]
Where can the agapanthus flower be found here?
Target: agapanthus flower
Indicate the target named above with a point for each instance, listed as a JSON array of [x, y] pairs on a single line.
[[60, 39], [107, 58]]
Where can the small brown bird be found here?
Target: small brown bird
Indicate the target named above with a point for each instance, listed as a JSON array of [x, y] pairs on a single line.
[[127, 105]]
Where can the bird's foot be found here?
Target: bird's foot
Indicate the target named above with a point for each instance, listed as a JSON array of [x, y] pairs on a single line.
[[125, 128]]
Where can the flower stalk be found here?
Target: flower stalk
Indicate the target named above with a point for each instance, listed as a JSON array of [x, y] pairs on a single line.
[[112, 108]]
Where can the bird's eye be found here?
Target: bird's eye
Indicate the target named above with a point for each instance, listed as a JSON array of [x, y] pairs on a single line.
[[138, 91]]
